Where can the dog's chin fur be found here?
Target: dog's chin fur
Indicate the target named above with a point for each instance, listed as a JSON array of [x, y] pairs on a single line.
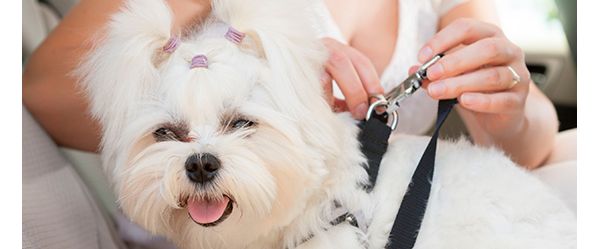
[[282, 174]]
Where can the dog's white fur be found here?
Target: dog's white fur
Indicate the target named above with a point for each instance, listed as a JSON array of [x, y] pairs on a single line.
[[285, 172]]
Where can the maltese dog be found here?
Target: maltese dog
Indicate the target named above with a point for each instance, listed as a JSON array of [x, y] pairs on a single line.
[[221, 138]]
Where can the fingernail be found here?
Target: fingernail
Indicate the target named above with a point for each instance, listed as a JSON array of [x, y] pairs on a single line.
[[436, 90], [468, 99], [425, 54], [413, 69], [361, 111], [435, 72]]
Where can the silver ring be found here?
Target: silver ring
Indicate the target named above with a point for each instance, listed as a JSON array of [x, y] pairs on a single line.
[[515, 76], [382, 102], [394, 123], [378, 103], [379, 97]]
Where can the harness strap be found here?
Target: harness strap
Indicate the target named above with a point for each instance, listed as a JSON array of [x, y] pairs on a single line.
[[412, 209], [373, 137]]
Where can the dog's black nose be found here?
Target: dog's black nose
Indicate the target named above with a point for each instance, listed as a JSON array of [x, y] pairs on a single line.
[[202, 168]]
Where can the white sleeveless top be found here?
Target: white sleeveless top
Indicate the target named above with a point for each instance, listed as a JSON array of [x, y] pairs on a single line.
[[418, 20]]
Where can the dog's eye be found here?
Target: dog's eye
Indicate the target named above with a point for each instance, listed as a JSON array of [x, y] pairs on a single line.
[[241, 123], [166, 134]]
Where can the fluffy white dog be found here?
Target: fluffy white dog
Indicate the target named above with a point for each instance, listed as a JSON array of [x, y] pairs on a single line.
[[222, 141]]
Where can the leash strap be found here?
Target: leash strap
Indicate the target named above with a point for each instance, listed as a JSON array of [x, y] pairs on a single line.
[[412, 210], [374, 141]]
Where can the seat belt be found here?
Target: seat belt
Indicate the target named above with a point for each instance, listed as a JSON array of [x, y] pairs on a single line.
[[374, 137]]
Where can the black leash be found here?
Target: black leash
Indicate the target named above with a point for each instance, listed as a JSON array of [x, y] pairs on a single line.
[[374, 141]]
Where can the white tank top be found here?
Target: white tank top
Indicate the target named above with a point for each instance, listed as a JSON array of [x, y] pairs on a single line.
[[418, 20]]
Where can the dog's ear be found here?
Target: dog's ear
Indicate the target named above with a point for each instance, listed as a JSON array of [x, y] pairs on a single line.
[[284, 33], [121, 66], [253, 44]]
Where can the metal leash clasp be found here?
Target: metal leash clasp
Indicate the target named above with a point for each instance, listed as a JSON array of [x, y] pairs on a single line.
[[391, 101]]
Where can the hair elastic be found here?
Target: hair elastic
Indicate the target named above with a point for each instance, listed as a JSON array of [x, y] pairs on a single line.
[[199, 61], [234, 35], [172, 44]]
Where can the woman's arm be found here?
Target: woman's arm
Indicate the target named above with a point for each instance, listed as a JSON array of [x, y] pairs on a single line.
[[524, 130], [50, 92]]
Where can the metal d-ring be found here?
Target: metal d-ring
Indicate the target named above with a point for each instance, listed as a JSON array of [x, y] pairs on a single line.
[[381, 101]]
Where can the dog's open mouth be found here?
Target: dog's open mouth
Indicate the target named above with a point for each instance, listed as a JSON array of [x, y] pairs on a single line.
[[209, 212]]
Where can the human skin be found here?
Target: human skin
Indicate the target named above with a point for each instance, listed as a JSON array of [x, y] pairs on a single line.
[[50, 91], [519, 119]]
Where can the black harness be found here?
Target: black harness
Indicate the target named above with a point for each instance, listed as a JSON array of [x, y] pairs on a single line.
[[373, 137], [374, 142]]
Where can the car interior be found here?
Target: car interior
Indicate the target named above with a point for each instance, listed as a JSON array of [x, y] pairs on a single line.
[[68, 201]]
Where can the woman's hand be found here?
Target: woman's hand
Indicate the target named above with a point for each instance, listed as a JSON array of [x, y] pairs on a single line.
[[477, 71], [355, 75]]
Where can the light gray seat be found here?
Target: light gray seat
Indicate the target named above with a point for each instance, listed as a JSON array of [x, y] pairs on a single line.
[[67, 201], [58, 210], [39, 19]]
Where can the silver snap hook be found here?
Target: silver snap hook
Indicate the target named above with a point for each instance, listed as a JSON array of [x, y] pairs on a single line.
[[382, 102]]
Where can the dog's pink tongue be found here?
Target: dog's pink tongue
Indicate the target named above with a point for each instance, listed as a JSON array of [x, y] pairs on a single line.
[[205, 212]]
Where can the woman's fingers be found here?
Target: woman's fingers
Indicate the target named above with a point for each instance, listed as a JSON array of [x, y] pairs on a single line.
[[341, 69], [489, 51], [413, 69], [462, 31], [327, 83], [339, 105], [491, 79], [354, 74], [366, 71], [501, 102]]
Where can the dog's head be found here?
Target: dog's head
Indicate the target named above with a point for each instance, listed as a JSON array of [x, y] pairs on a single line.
[[239, 144]]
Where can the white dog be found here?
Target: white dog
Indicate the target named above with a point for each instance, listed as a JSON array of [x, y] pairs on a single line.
[[226, 141]]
